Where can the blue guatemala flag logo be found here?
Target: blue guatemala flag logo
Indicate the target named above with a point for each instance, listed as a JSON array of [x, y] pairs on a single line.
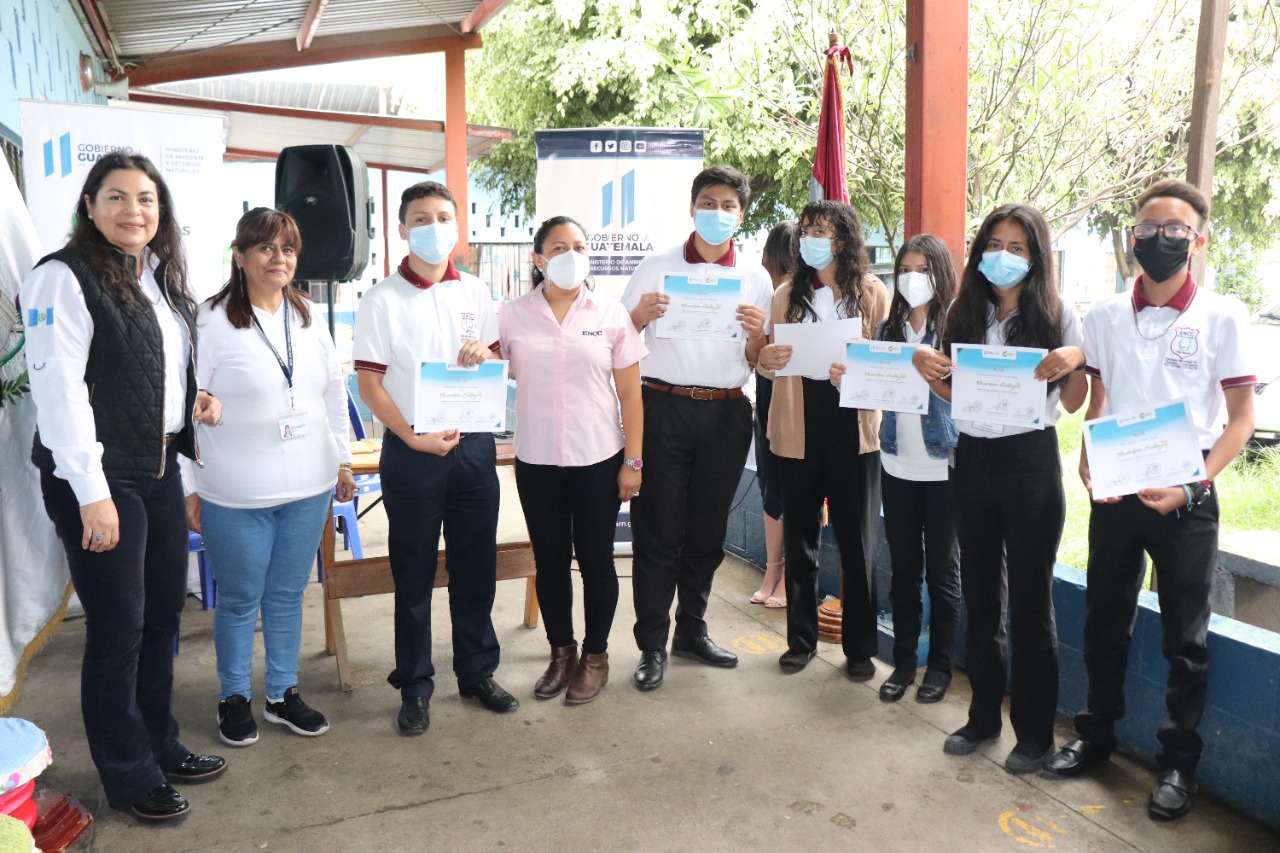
[[628, 201], [64, 155], [36, 317]]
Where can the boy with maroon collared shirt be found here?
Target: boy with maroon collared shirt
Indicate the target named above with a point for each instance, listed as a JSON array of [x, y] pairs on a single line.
[[1170, 339]]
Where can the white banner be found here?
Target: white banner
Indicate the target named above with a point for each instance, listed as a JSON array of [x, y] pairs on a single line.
[[628, 186], [61, 142]]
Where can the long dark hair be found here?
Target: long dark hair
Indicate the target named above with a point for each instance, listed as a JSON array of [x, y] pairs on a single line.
[[1038, 322], [851, 261], [104, 258], [778, 257], [943, 272], [540, 238], [258, 226]]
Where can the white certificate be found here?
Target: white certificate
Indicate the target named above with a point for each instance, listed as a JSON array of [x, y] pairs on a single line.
[[997, 385], [702, 307], [1145, 450], [470, 399], [880, 375], [815, 346]]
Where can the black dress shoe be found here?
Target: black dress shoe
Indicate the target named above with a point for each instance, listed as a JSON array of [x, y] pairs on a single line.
[[160, 804], [859, 669], [649, 672], [1074, 758], [703, 649], [794, 660], [491, 695], [1171, 798], [934, 686], [413, 718], [895, 686], [198, 768]]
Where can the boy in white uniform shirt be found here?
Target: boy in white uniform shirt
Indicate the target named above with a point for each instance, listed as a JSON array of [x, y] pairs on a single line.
[[697, 426], [1167, 340], [429, 310]]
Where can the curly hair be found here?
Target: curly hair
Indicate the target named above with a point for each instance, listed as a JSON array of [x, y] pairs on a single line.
[[1038, 322], [258, 226], [850, 259], [942, 270], [104, 258]]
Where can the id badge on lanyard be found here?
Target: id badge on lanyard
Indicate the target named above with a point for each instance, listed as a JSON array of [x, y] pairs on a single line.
[[292, 422]]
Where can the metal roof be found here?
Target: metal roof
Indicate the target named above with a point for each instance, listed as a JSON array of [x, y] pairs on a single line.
[[153, 41], [333, 97]]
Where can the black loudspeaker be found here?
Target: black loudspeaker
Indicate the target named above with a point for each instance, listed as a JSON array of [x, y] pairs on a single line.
[[326, 189]]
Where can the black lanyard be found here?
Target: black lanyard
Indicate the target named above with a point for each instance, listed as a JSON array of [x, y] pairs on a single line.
[[286, 369]]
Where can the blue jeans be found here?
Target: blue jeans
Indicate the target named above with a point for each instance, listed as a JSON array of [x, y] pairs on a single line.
[[262, 559]]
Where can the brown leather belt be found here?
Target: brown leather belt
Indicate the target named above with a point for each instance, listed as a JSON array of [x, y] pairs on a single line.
[[693, 391], [169, 437]]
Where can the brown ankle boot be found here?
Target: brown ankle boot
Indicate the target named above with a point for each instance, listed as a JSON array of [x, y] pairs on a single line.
[[564, 659], [588, 679]]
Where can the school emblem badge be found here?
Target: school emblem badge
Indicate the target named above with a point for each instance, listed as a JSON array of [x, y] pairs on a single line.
[[1185, 343], [468, 326]]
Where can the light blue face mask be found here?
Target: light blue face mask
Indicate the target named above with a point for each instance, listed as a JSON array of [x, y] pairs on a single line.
[[1003, 269], [433, 242], [816, 251], [715, 226]]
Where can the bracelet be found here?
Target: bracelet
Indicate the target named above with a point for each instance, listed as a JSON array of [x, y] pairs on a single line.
[[1190, 497], [344, 466]]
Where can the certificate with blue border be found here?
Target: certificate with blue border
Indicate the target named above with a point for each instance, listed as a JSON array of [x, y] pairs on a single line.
[[997, 385], [703, 308], [1150, 449], [469, 399], [880, 375]]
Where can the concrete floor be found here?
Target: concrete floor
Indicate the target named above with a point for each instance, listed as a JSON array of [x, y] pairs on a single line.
[[716, 760]]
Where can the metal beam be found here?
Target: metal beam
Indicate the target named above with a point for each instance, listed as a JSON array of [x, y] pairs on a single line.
[[424, 125], [360, 133], [481, 14], [93, 14], [455, 143], [937, 121], [250, 155], [267, 56], [310, 23], [1211, 47]]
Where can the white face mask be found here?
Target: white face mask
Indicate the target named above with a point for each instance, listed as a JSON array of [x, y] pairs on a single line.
[[568, 269], [915, 287]]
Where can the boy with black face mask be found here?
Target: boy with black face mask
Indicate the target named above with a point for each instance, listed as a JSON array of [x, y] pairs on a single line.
[[1169, 339]]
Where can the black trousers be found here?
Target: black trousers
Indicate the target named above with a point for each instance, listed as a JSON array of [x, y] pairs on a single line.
[[920, 513], [766, 462], [133, 597], [573, 511], [1184, 547], [1010, 508], [424, 494], [834, 471], [694, 455]]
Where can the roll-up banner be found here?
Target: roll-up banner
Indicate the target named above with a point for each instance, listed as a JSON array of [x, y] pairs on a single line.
[[628, 186], [61, 142]]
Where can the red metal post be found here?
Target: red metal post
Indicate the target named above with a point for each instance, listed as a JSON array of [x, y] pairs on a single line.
[[937, 120], [455, 142]]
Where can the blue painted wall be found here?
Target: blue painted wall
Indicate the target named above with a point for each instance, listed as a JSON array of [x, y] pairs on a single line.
[[40, 46], [1241, 725]]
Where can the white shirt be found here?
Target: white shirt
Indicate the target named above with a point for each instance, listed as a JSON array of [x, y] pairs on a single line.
[[996, 329], [707, 364], [246, 463], [912, 461], [401, 324], [1192, 355], [58, 351]]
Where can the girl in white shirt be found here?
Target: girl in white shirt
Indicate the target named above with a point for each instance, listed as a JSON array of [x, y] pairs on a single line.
[[262, 497]]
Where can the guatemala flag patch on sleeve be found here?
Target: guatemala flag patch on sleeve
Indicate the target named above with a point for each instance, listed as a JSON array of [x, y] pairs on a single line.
[[36, 317]]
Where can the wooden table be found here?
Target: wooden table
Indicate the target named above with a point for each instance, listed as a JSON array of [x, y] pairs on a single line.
[[372, 575]]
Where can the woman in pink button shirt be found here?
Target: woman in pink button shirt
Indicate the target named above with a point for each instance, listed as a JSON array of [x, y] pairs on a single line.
[[576, 361]]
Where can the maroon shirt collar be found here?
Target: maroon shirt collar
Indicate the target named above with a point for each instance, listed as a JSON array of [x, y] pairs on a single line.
[[693, 256], [406, 272], [1178, 302]]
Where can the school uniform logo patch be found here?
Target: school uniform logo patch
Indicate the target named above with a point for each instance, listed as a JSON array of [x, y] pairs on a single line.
[[468, 326], [1185, 343]]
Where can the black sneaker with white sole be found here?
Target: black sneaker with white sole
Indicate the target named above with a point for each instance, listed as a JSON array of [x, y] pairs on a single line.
[[296, 714], [235, 721]]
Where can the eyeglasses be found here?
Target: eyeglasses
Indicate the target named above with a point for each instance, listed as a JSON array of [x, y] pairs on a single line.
[[1173, 230]]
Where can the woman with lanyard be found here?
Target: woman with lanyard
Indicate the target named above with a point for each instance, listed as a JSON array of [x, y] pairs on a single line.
[[262, 497], [576, 360], [779, 262], [819, 443], [1007, 482], [919, 521], [111, 343]]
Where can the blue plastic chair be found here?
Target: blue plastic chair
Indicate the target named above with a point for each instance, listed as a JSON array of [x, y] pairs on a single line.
[[346, 516], [208, 586]]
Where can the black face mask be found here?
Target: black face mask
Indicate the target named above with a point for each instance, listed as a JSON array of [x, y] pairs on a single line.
[[1160, 256]]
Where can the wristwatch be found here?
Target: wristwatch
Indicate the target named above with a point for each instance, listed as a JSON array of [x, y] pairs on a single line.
[[636, 463]]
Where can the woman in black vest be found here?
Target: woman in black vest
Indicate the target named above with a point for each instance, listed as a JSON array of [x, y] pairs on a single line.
[[111, 340]]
